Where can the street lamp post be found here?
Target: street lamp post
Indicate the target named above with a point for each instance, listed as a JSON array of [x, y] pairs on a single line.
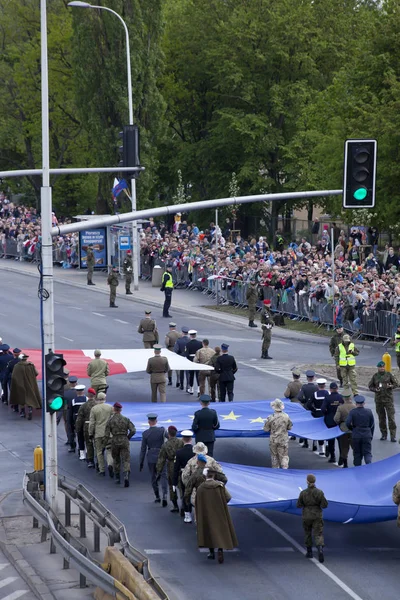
[[135, 253]]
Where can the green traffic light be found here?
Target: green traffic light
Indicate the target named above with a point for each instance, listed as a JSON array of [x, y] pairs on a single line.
[[56, 403], [360, 193]]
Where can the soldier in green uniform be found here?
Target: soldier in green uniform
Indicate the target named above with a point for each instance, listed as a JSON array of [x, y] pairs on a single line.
[[266, 326], [335, 340], [170, 341], [121, 430], [252, 297], [383, 383], [148, 328], [127, 268], [168, 454], [396, 343], [90, 262], [312, 501], [113, 282], [82, 423]]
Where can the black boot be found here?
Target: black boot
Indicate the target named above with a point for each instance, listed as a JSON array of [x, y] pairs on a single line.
[[332, 459], [263, 355], [164, 502], [321, 557], [126, 479], [169, 380], [383, 437], [117, 477], [268, 356], [158, 499], [252, 324], [309, 553], [345, 465], [176, 507], [178, 384], [29, 413], [111, 471], [129, 293], [305, 444], [341, 461]]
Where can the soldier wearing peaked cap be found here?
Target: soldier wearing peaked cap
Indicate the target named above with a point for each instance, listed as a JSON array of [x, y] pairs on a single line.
[[205, 423], [383, 384], [340, 417], [148, 328], [293, 387], [170, 340], [152, 441], [226, 366], [192, 346], [168, 455], [158, 367], [82, 425], [121, 429], [361, 423], [180, 349]]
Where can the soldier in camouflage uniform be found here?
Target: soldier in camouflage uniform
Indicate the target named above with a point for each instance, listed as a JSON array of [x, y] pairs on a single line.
[[266, 325], [312, 501], [252, 297], [168, 454], [170, 341], [90, 262], [113, 282], [335, 340], [278, 426], [82, 423], [396, 500], [382, 383], [127, 268], [203, 356], [121, 430]]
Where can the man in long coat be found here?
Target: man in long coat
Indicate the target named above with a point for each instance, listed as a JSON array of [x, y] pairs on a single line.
[[214, 525], [24, 388]]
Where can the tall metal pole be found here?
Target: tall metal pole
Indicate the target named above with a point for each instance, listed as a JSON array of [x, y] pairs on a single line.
[[333, 274], [47, 325], [216, 254]]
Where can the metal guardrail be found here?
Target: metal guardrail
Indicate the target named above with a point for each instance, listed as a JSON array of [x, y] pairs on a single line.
[[71, 548]]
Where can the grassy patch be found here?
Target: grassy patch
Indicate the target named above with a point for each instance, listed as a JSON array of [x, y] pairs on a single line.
[[302, 326]]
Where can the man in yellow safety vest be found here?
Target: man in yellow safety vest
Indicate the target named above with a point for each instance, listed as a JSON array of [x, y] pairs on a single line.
[[346, 353], [167, 286], [396, 344]]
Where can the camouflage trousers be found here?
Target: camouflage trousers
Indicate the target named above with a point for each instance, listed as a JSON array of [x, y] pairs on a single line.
[[113, 294], [204, 376], [265, 344], [128, 281], [386, 415], [279, 454], [214, 387], [90, 274], [99, 445], [120, 451], [252, 312], [173, 496], [349, 378], [89, 445], [338, 372], [315, 526]]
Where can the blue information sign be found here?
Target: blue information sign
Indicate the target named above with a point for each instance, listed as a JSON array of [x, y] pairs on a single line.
[[124, 242], [97, 238]]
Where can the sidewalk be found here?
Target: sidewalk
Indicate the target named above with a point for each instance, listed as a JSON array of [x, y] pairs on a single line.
[[191, 302]]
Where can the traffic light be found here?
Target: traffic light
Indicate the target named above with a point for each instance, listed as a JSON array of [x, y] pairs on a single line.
[[55, 381], [359, 173], [130, 149]]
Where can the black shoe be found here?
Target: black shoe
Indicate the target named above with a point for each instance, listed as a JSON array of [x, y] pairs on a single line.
[[66, 444], [169, 316], [164, 503], [111, 471], [71, 450], [175, 509], [305, 445], [182, 513], [309, 553], [341, 461], [269, 357], [181, 386], [158, 499], [393, 439], [102, 473], [314, 448], [252, 324], [113, 306], [383, 438], [90, 465], [292, 437], [117, 478], [90, 283], [211, 556], [345, 465], [129, 293], [332, 459], [169, 381], [321, 557], [178, 384]]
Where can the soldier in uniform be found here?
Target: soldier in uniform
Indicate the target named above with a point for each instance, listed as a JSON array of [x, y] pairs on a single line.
[[335, 340], [361, 423], [382, 384], [293, 387], [99, 416], [167, 455], [252, 297], [266, 326], [82, 426], [278, 426], [127, 268], [191, 348], [167, 286], [306, 394], [152, 440], [121, 430], [8, 376], [90, 261], [214, 376], [113, 282], [158, 367], [340, 417], [170, 340], [76, 403], [346, 353], [396, 344], [69, 394], [180, 349], [148, 328], [329, 408], [205, 423], [181, 460], [396, 500], [312, 501], [226, 366], [98, 371], [203, 357]]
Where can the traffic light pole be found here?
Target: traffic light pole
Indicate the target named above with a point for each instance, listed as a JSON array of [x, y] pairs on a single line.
[[47, 325]]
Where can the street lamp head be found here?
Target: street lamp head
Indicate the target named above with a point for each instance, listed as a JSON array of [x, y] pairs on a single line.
[[79, 4]]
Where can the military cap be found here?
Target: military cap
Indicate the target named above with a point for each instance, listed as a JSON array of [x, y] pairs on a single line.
[[310, 373], [346, 337], [333, 385], [157, 347], [152, 416], [117, 405], [311, 478], [172, 429], [192, 332], [97, 352], [224, 346], [101, 396], [147, 312], [359, 399], [201, 458], [16, 351], [321, 381], [211, 471], [380, 364], [172, 324], [24, 355], [199, 448], [80, 387], [339, 327], [187, 433], [91, 391], [73, 379], [5, 347], [185, 329], [296, 371], [128, 252], [277, 405], [205, 398], [267, 302], [346, 392]]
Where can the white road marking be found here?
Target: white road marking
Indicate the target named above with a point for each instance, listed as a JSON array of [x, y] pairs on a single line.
[[120, 321], [98, 314], [280, 372], [66, 338], [2, 315], [75, 307], [7, 581], [3, 566], [15, 595], [320, 566], [206, 550], [166, 551]]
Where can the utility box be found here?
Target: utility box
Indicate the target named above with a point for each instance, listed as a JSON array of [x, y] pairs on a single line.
[[156, 277]]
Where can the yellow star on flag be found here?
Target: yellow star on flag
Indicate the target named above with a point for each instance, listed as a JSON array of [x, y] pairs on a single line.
[[168, 421], [259, 420], [191, 416], [231, 416]]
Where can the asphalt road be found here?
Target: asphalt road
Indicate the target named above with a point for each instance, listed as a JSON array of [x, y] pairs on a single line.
[[361, 560], [12, 586]]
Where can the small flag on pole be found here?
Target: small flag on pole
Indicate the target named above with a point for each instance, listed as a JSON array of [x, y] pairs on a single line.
[[119, 186]]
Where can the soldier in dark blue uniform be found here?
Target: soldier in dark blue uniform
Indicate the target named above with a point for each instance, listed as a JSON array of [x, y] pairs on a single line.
[[226, 367], [182, 458], [5, 358], [306, 394], [329, 408], [191, 348], [8, 374], [75, 405], [205, 423], [315, 406], [180, 348], [152, 440], [361, 423]]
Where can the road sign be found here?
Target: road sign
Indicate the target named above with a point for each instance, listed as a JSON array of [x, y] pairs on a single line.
[[124, 242]]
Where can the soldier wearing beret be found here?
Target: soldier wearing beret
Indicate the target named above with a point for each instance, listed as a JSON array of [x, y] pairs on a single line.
[[113, 282], [266, 326], [121, 430], [158, 367], [312, 501], [382, 384], [148, 328], [127, 267], [167, 455]]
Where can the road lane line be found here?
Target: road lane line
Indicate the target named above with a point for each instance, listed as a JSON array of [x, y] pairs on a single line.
[[76, 307], [166, 551], [15, 595], [65, 338], [3, 566], [120, 321], [98, 314], [7, 581], [320, 566]]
